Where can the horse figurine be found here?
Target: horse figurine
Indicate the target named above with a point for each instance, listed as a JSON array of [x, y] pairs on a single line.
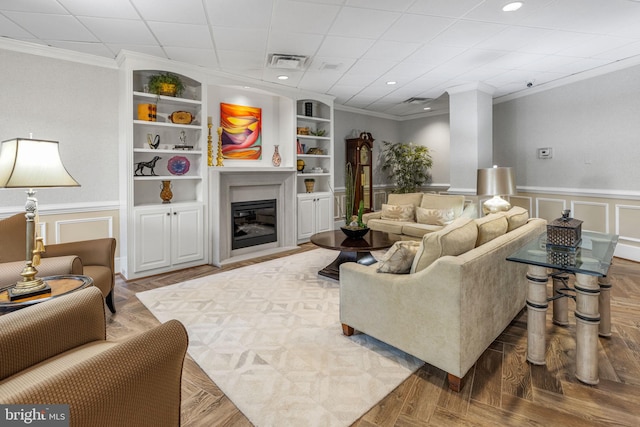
[[151, 164]]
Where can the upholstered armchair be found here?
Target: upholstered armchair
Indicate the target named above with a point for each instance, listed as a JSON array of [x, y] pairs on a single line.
[[94, 258], [56, 352]]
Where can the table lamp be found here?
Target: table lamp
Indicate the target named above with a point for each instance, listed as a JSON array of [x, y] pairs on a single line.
[[496, 182], [32, 163]]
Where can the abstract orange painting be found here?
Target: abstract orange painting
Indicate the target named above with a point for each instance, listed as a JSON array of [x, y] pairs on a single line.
[[241, 132]]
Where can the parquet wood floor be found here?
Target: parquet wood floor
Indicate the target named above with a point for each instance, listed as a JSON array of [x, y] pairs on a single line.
[[501, 389]]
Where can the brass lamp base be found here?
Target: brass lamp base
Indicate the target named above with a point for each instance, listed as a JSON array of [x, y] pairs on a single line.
[[30, 285], [28, 289], [495, 204]]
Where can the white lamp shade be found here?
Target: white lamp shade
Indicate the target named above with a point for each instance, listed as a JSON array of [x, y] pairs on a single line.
[[496, 181], [32, 163]]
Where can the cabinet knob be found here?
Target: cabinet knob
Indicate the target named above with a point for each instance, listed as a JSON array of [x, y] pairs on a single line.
[[175, 213], [168, 214]]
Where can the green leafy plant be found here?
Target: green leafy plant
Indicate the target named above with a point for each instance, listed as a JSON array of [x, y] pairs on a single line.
[[407, 165], [157, 81], [349, 192], [360, 213]]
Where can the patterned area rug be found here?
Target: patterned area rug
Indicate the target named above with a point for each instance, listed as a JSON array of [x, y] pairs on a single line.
[[269, 336]]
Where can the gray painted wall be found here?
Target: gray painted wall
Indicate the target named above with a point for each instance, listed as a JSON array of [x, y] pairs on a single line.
[[592, 125], [75, 104]]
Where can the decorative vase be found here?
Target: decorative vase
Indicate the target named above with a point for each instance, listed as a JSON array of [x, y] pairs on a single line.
[[309, 185], [166, 194], [276, 159]]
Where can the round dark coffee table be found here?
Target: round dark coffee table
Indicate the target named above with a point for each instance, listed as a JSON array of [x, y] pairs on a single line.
[[351, 250], [60, 285]]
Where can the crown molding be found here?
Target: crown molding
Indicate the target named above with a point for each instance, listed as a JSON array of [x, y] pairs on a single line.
[[57, 53], [584, 192]]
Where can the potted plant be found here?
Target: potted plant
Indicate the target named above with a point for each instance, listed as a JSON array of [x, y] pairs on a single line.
[[407, 165], [166, 84]]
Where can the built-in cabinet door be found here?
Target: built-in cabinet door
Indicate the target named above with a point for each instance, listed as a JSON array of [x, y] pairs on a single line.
[[153, 238], [187, 234], [306, 216], [324, 217]]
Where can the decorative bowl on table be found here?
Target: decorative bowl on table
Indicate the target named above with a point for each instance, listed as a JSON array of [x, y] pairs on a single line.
[[354, 232]]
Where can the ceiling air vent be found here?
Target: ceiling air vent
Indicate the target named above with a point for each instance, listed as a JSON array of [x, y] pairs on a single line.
[[417, 101], [288, 62]]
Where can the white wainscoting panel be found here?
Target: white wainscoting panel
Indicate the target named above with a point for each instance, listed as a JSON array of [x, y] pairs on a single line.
[[627, 222], [550, 209]]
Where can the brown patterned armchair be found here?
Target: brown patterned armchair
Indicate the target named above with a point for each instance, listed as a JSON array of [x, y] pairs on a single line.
[[93, 258], [56, 352]]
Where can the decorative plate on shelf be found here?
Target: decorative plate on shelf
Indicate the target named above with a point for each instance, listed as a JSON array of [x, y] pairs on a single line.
[[178, 165]]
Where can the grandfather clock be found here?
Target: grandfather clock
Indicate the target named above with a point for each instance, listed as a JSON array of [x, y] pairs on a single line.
[[360, 155]]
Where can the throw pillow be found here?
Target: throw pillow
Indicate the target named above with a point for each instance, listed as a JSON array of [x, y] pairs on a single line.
[[490, 227], [435, 216], [455, 239], [399, 257], [516, 217], [398, 212]]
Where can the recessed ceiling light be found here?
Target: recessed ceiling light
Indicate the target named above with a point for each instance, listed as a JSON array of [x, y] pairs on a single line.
[[427, 108], [392, 83], [513, 6], [283, 77]]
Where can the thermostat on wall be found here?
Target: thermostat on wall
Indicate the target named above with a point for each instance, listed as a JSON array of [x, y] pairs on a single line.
[[545, 153]]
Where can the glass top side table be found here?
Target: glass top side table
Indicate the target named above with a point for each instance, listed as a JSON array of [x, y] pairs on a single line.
[[590, 263]]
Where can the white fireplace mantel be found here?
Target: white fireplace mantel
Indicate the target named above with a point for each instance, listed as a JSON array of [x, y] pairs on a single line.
[[235, 184]]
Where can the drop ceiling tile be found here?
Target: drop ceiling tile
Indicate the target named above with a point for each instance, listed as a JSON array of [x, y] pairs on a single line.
[[626, 51], [360, 80], [362, 23], [432, 55], [345, 47], [11, 30], [52, 27], [182, 35], [480, 74], [240, 13], [511, 60], [235, 60], [405, 71], [111, 30], [579, 66], [416, 28], [35, 6], [296, 44], [329, 64], [550, 62], [453, 9], [514, 38], [301, 17], [360, 101], [390, 50], [145, 49], [394, 6], [345, 91], [202, 57], [98, 49], [371, 66], [555, 42], [491, 11], [596, 45], [467, 33], [186, 12], [319, 81], [377, 90], [104, 9], [244, 40]]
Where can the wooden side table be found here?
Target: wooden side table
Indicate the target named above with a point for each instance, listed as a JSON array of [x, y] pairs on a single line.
[[60, 285]]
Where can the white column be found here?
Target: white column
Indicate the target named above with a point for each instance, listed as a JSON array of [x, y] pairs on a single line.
[[471, 128]]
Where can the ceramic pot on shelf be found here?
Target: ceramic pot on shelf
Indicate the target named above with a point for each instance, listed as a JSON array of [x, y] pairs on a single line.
[[166, 194]]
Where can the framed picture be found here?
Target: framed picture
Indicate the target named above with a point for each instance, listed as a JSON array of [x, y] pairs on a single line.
[[241, 132]]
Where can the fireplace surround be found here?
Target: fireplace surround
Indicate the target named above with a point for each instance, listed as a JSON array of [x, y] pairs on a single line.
[[240, 184]]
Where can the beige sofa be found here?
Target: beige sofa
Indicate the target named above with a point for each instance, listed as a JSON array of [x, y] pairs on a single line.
[[410, 216], [56, 352], [459, 296]]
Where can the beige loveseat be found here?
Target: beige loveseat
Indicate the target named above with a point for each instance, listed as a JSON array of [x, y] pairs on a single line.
[[459, 296], [412, 215]]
